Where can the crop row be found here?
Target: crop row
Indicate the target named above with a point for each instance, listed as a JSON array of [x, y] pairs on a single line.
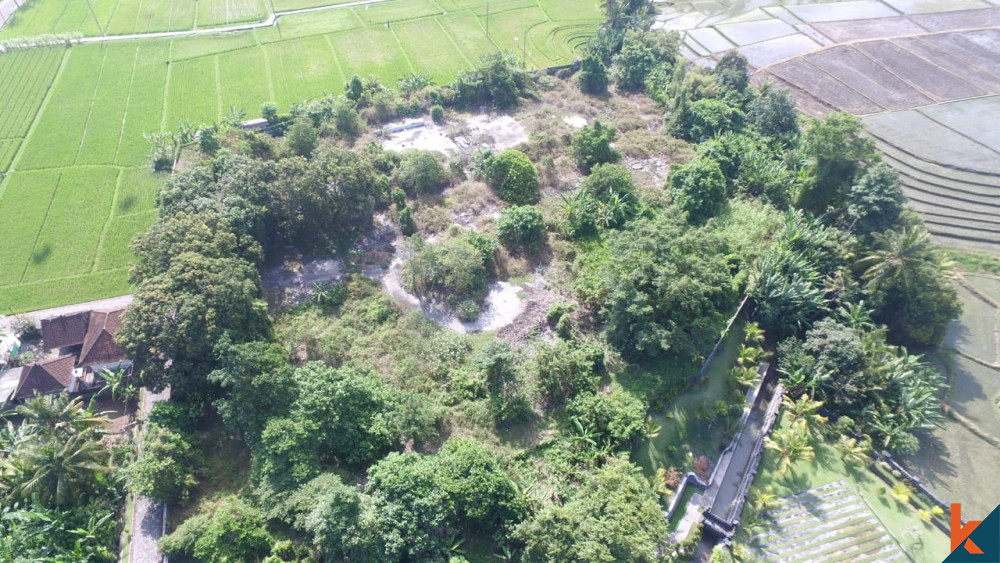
[[26, 80]]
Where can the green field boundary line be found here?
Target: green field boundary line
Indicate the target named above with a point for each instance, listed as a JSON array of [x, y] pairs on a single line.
[[399, 44], [166, 89], [104, 32], [104, 230], [218, 89], [93, 101], [267, 69], [194, 23], [482, 27], [128, 100], [41, 228], [34, 123], [336, 59], [452, 39]]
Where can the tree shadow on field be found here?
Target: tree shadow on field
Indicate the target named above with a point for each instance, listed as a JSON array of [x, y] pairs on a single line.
[[126, 203], [41, 255]]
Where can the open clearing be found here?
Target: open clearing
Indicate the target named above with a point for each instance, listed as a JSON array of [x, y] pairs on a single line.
[[75, 189]]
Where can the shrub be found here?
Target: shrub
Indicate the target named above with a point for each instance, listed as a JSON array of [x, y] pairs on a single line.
[[453, 270], [613, 187], [208, 140], [521, 227], [163, 470], [467, 311], [698, 188], [565, 370], [398, 198], [420, 172], [513, 177], [593, 76], [302, 137], [615, 420], [499, 364], [592, 146], [407, 224], [176, 416], [437, 113]]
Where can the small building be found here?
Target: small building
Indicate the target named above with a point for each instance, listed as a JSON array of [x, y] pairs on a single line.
[[259, 124], [99, 350], [65, 332], [42, 378]]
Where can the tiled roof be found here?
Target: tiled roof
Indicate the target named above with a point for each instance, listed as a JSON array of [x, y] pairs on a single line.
[[68, 330], [99, 344], [45, 377]]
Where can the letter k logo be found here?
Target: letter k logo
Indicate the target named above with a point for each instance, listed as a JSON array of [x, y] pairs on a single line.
[[960, 533]]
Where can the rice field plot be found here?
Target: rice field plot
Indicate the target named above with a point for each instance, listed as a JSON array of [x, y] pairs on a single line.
[[243, 80], [184, 48], [380, 14], [75, 221], [192, 92], [104, 124], [510, 29], [303, 69], [825, 523], [136, 191], [371, 51], [468, 35], [563, 10], [55, 140], [64, 291], [27, 78], [146, 102], [976, 119], [289, 5], [23, 206], [115, 252], [146, 16], [212, 13], [312, 23], [557, 42], [430, 49], [8, 147], [34, 18], [867, 77], [39, 17]]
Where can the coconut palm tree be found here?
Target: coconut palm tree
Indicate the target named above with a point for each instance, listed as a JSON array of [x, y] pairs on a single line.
[[791, 445], [804, 413], [852, 452], [59, 472], [899, 259], [58, 415], [754, 335]]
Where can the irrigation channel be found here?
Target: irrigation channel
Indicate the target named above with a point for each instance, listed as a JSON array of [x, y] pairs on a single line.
[[728, 486]]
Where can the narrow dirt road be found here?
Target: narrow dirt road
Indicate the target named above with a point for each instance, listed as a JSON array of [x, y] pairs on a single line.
[[148, 516]]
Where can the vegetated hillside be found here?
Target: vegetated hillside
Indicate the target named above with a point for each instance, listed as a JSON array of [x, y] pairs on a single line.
[[373, 433], [80, 115]]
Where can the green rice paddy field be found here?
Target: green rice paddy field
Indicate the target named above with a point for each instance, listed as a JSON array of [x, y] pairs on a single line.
[[76, 187]]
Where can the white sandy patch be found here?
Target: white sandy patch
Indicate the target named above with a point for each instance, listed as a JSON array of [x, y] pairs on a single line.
[[500, 132], [430, 137], [575, 121]]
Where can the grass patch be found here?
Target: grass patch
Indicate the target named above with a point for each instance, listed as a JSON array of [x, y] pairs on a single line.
[[921, 540]]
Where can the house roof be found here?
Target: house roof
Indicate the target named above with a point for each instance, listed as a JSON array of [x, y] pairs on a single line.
[[68, 330], [99, 345], [45, 377]]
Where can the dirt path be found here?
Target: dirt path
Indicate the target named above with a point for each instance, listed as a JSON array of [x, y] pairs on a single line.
[[110, 303], [148, 517]]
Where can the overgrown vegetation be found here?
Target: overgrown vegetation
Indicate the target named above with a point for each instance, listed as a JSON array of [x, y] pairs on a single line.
[[375, 434]]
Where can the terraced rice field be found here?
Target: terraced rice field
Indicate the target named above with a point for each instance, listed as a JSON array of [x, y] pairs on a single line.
[[950, 167], [75, 187], [827, 523], [927, 90]]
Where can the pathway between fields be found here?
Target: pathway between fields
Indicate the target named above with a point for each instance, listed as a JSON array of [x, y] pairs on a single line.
[[271, 21]]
